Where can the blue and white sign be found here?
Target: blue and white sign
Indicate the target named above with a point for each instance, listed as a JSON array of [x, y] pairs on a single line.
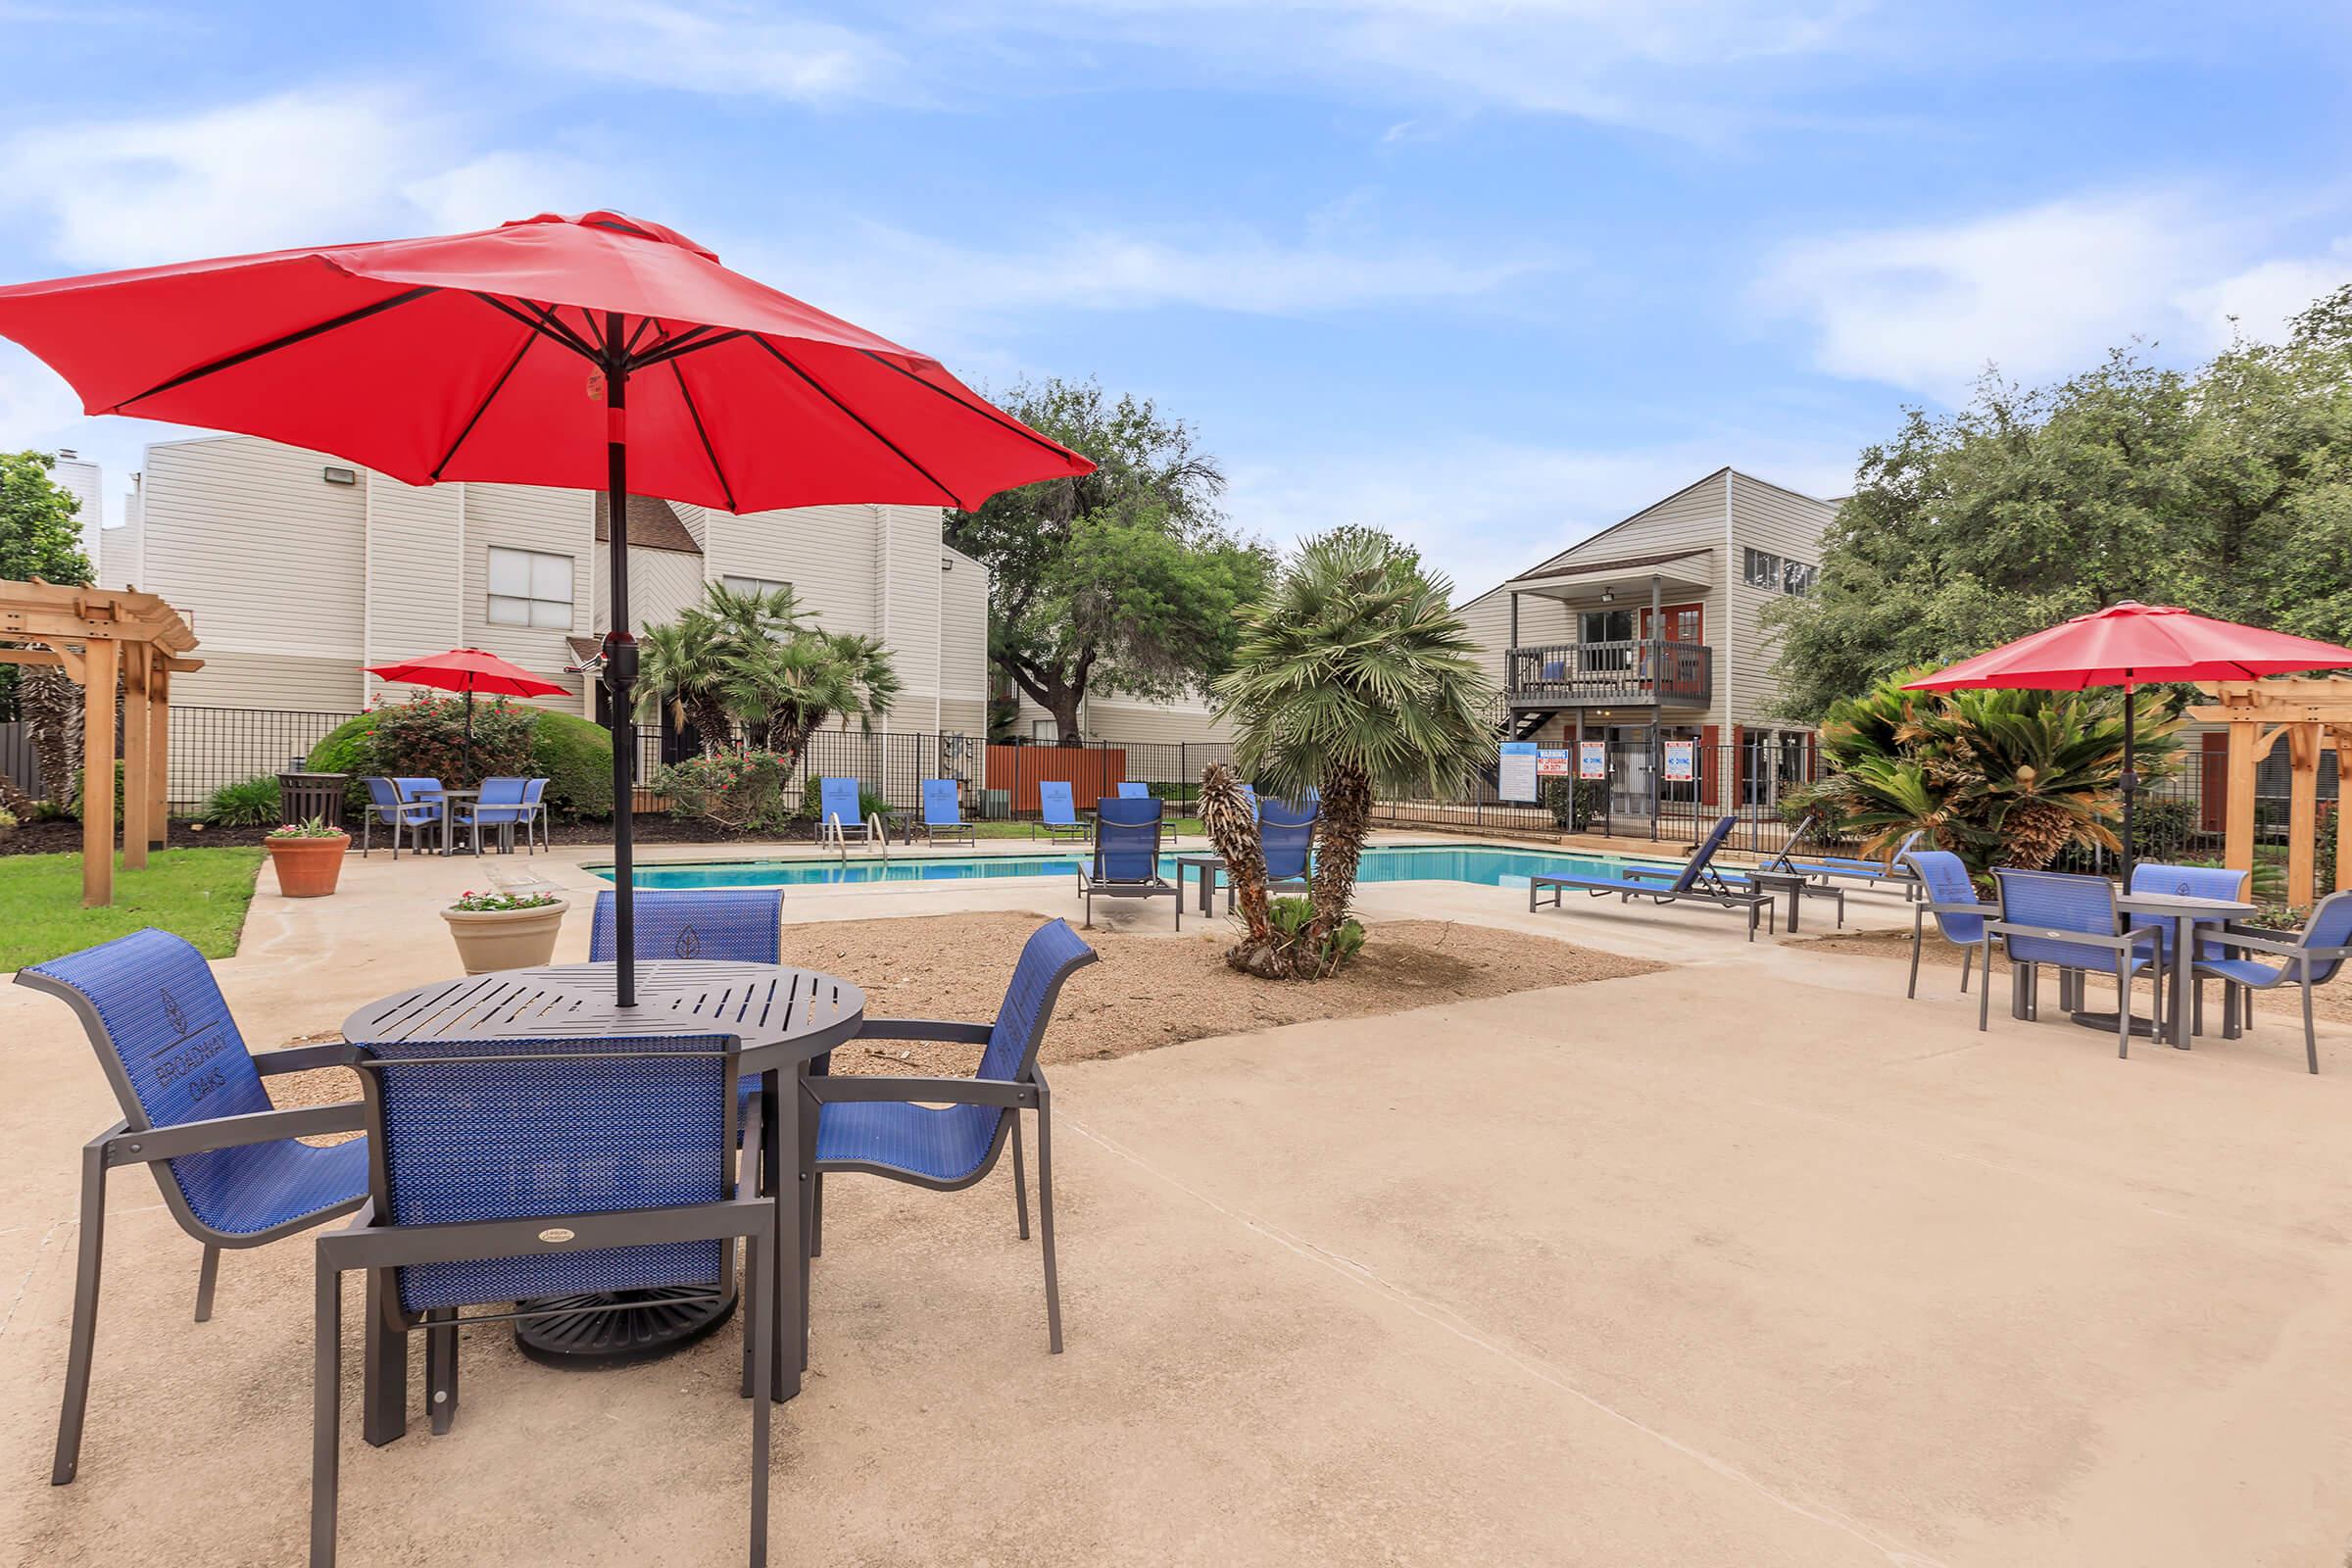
[[1516, 771], [1682, 761], [1592, 760]]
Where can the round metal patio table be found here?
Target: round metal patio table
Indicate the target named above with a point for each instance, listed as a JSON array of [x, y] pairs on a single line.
[[2186, 912], [786, 1018]]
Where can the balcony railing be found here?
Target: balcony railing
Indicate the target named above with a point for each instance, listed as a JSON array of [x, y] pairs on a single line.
[[1612, 674]]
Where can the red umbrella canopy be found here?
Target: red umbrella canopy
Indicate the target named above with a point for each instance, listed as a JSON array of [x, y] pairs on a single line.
[[2134, 644], [469, 670], [492, 356]]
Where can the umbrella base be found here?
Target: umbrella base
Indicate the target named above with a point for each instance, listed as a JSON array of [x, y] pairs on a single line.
[[2142, 1028], [617, 1328]]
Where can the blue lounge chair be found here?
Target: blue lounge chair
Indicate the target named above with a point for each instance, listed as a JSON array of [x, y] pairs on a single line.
[[196, 1115], [1285, 837], [1951, 898], [2310, 959], [1126, 860], [2072, 924], [838, 819], [1697, 882], [392, 801], [1057, 813], [1131, 789], [1895, 868], [886, 1126], [523, 1175], [943, 813], [502, 804]]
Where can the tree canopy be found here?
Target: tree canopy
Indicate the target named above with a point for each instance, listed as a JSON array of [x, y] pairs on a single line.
[[1123, 580], [40, 536], [2226, 489]]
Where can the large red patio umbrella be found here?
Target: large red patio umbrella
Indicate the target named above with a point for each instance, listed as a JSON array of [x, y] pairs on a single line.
[[2132, 645], [585, 352], [468, 670]]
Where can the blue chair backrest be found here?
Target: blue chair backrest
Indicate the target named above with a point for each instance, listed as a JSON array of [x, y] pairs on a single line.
[[413, 788], [1126, 839], [939, 803], [730, 925], [2189, 882], [1054, 803], [1946, 877], [1051, 953], [2330, 926], [569, 1129], [1705, 852], [533, 790], [2056, 902], [502, 791], [838, 798], [172, 1053], [1285, 837], [1133, 789], [383, 798], [1250, 793]]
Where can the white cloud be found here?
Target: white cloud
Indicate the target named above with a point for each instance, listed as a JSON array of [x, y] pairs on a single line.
[[2041, 291], [2263, 300], [718, 47]]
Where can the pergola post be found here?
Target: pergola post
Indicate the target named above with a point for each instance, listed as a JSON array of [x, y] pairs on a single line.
[[158, 751], [136, 764], [98, 772], [2302, 810]]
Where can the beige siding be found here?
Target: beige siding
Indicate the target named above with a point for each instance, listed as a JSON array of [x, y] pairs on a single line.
[[828, 555], [270, 680], [663, 584], [964, 716], [122, 562], [1187, 720], [516, 517], [909, 584], [414, 549], [1789, 525], [962, 645], [1540, 620]]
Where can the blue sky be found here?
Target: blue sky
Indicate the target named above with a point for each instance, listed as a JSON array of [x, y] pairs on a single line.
[[1489, 275]]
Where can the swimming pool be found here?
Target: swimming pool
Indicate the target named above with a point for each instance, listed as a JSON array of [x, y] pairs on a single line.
[[1482, 864]]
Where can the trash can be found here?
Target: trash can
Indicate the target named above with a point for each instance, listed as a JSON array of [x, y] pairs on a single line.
[[303, 796]]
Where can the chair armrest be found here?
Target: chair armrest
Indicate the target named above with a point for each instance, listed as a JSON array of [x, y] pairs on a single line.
[[2087, 939], [934, 1091], [303, 1058], [233, 1132], [2284, 950], [1990, 911], [968, 1034]]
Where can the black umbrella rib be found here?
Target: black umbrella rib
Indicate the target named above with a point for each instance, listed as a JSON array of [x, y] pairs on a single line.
[[544, 324], [781, 357], [483, 407], [303, 335], [708, 451], [981, 408], [685, 343]]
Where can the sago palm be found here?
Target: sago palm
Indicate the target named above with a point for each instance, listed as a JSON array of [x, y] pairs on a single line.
[[1355, 675]]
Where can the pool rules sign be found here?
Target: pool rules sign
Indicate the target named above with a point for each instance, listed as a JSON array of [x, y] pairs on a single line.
[[1516, 771]]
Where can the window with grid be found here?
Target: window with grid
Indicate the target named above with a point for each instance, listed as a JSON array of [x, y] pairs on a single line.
[[1796, 578], [755, 585], [529, 588], [1763, 569]]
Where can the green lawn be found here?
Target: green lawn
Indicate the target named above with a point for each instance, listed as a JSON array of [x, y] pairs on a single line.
[[199, 894], [1027, 831]]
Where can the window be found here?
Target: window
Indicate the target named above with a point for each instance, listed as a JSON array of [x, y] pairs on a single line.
[[1775, 574], [1763, 569], [1604, 626], [529, 588], [1797, 579], [755, 585]]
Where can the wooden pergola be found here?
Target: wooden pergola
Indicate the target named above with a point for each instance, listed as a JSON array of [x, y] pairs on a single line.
[[2315, 714], [98, 635]]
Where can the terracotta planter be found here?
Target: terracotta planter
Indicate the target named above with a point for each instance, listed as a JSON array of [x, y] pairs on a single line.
[[307, 868], [505, 939]]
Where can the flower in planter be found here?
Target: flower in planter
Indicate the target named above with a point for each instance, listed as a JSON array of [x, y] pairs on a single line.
[[498, 900], [315, 828]]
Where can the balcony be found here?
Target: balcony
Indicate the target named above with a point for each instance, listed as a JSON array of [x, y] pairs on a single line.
[[1611, 674]]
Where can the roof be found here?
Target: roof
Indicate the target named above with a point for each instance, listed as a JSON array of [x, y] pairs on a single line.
[[653, 525], [586, 652], [1586, 568]]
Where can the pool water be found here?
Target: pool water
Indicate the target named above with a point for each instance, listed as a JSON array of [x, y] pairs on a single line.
[[1482, 865]]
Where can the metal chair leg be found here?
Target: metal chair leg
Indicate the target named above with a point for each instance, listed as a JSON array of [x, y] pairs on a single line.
[[816, 1214], [383, 1367], [1044, 1216], [1968, 956], [1985, 991], [760, 1340], [1912, 989], [441, 1369], [1020, 1180], [85, 1317], [327, 1402], [2311, 1038], [2123, 1005], [208, 1274]]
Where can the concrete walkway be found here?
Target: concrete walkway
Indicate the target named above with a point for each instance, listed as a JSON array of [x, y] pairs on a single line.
[[1748, 1262]]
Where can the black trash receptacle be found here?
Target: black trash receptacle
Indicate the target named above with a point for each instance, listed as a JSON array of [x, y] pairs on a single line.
[[303, 796]]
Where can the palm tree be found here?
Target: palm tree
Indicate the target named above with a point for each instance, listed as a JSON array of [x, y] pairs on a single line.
[[750, 661], [681, 665], [1355, 675]]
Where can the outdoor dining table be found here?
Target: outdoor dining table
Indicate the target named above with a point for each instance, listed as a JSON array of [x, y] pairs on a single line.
[[448, 816], [786, 1017], [2186, 914]]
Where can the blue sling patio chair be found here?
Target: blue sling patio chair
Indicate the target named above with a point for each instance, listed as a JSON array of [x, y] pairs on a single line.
[[721, 925], [501, 805], [837, 818], [2072, 924], [2312, 957], [1131, 789], [1126, 858], [1951, 898], [887, 1126], [196, 1114], [943, 813], [394, 801], [1285, 837], [519, 1176], [1695, 882], [1057, 813], [1895, 868]]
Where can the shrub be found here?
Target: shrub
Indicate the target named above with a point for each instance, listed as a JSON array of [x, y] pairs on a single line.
[[868, 803], [248, 802], [1575, 801], [8, 821], [1291, 917], [737, 790], [348, 747], [424, 737], [575, 758]]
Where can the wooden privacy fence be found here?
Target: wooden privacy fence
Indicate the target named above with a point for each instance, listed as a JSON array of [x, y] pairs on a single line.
[[1090, 771]]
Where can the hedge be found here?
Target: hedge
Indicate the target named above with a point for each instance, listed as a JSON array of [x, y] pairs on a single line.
[[574, 756]]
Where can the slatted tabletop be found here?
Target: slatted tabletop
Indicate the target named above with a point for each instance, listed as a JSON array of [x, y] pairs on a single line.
[[784, 1015]]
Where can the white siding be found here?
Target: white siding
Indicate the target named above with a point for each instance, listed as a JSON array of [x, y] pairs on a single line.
[[122, 560], [828, 555], [663, 584], [81, 480], [516, 517], [909, 615], [1789, 525], [1187, 720], [414, 549], [963, 644]]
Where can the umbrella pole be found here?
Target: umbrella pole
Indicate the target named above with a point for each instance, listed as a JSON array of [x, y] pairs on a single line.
[[2131, 782], [466, 752], [621, 666]]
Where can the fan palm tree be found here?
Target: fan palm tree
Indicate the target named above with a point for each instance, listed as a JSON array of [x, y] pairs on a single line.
[[750, 661], [1355, 675]]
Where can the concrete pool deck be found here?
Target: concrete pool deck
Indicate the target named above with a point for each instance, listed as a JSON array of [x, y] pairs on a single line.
[[1745, 1261]]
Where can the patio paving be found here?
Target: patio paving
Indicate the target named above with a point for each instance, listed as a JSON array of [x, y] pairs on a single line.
[[1745, 1261]]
